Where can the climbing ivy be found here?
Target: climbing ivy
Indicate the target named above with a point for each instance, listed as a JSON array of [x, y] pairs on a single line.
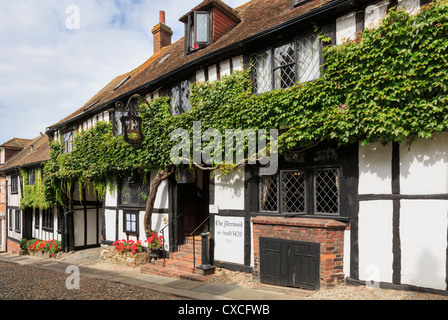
[[33, 196], [389, 85]]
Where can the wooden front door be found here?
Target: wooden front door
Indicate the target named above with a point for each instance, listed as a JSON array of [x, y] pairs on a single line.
[[193, 203]]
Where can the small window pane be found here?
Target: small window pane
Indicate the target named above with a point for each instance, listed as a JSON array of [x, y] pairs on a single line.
[[175, 100], [308, 58], [293, 192], [326, 191], [185, 95], [201, 27], [262, 72]]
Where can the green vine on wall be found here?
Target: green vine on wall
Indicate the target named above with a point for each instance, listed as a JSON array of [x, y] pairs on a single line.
[[388, 85]]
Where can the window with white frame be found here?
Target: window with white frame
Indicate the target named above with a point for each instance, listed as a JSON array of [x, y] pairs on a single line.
[[2, 156], [69, 138], [130, 222], [285, 65], [309, 191]]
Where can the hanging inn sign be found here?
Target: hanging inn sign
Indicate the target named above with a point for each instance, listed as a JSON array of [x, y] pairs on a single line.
[[131, 121]]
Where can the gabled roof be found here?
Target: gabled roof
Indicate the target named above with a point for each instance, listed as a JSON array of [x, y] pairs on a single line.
[[209, 3], [256, 17], [35, 152]]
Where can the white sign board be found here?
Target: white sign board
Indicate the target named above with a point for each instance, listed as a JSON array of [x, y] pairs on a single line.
[[229, 239]]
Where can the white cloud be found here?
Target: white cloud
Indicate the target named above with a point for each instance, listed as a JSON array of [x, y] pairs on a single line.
[[47, 71]]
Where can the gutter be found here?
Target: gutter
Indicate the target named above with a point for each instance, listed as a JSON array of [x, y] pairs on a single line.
[[323, 9]]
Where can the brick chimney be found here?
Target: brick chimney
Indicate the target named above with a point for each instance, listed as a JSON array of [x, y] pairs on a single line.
[[162, 34]]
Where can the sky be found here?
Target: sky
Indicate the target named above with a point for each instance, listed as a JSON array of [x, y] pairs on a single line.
[[57, 54]]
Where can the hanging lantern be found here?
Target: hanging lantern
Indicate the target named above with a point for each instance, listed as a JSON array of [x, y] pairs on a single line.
[[132, 122]]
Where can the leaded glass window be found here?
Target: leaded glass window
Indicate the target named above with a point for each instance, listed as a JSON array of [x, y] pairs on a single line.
[[180, 97], [133, 192], [326, 191], [69, 138], [201, 27], [285, 65], [308, 58], [290, 192], [262, 72]]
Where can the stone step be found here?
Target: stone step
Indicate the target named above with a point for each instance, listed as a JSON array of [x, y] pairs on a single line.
[[186, 256], [180, 264]]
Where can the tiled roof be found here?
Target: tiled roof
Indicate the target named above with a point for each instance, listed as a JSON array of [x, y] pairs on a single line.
[[15, 143], [206, 3], [25, 157], [256, 16]]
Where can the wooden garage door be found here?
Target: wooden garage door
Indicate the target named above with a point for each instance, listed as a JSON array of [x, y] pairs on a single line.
[[289, 263]]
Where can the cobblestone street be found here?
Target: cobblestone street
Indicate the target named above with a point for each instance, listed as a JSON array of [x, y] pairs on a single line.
[[30, 283]]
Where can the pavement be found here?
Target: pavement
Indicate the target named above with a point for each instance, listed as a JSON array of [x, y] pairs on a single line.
[[187, 289]]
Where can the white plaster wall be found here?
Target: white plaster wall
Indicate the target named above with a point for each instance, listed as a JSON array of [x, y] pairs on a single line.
[[423, 235], [110, 220], [13, 199], [225, 67], [111, 197], [410, 6], [375, 240], [200, 75], [162, 197], [78, 217], [424, 167], [374, 13], [237, 63], [158, 222], [345, 28], [212, 73], [229, 190], [375, 169]]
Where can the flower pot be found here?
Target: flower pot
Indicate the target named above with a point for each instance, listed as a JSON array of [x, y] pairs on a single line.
[[155, 254]]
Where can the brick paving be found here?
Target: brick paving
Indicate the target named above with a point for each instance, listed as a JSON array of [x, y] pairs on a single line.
[[29, 283]]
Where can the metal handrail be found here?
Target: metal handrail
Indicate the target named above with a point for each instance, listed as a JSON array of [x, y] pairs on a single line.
[[163, 235], [194, 242]]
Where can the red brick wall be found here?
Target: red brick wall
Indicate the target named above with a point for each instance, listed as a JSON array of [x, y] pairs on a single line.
[[329, 233], [12, 247], [162, 37]]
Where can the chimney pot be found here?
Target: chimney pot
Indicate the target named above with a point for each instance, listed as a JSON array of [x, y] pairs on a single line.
[[162, 34]]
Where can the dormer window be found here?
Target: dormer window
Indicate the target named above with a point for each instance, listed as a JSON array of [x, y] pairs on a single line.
[[206, 23], [198, 30]]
